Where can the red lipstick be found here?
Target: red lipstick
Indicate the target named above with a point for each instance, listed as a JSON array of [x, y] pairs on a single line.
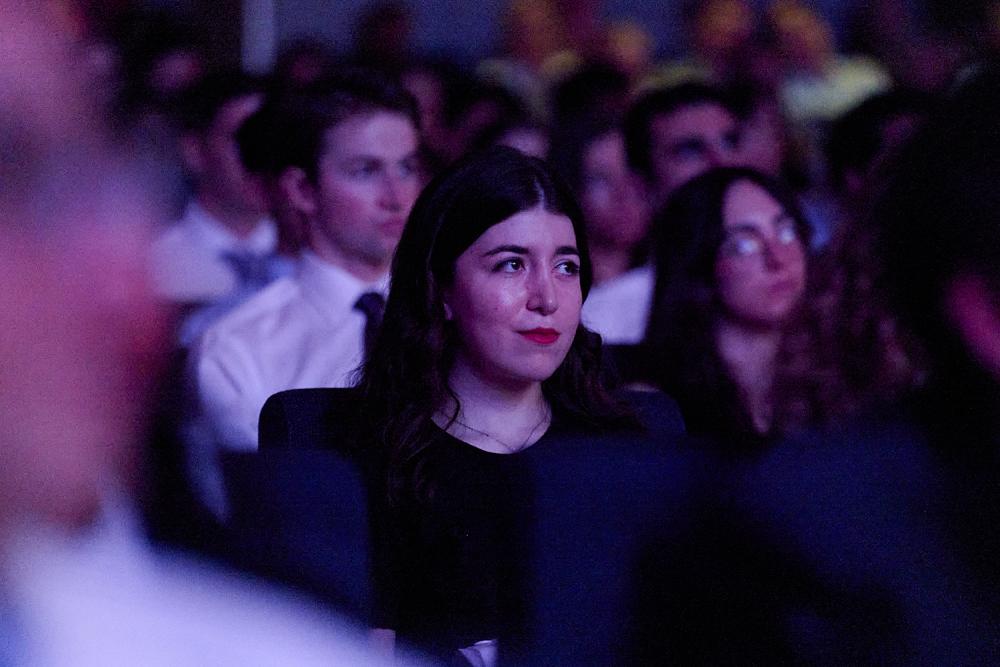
[[541, 335]]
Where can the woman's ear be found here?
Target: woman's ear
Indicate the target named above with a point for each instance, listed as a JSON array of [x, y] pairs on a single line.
[[299, 190]]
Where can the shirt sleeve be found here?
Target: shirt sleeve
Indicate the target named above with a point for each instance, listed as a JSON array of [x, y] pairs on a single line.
[[229, 391]]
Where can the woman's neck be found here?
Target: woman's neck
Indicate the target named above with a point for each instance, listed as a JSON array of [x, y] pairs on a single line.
[[749, 354], [609, 262], [496, 418]]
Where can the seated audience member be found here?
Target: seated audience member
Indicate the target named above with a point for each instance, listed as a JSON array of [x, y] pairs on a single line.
[[858, 354], [223, 248], [674, 134], [81, 338], [590, 154], [874, 542], [731, 258], [350, 172], [481, 366]]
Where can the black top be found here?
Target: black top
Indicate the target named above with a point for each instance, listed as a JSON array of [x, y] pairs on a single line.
[[450, 567], [449, 561]]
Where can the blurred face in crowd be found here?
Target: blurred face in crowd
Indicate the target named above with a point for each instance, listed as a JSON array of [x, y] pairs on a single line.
[[215, 160], [515, 299], [617, 216], [367, 180], [760, 270], [689, 142]]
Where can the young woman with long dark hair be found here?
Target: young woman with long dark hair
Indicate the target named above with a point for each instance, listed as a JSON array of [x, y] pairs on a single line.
[[731, 259], [481, 361]]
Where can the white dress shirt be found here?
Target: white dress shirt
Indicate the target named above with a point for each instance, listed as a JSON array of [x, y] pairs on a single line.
[[618, 309], [300, 331], [188, 262]]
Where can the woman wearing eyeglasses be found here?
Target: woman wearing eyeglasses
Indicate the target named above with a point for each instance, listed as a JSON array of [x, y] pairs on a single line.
[[731, 261]]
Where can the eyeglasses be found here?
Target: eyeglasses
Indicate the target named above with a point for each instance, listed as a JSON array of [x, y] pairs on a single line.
[[747, 241]]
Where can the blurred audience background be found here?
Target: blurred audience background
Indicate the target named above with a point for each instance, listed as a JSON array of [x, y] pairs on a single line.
[[170, 171]]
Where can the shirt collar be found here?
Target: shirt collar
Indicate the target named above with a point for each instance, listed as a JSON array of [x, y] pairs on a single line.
[[331, 289], [217, 237]]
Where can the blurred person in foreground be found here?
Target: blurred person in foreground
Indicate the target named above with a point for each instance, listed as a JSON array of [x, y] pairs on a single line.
[[874, 542], [80, 337]]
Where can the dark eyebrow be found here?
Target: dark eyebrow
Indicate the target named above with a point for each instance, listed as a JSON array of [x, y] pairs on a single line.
[[519, 250]]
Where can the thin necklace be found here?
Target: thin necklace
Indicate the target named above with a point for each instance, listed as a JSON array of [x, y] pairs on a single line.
[[513, 449]]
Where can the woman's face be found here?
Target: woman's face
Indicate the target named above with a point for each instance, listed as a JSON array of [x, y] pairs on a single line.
[[760, 269], [515, 300], [615, 211]]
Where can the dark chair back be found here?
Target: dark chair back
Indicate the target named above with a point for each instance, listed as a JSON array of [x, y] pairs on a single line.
[[300, 517], [320, 418]]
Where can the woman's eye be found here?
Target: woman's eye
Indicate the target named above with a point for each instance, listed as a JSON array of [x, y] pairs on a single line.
[[511, 265], [365, 170], [787, 233], [568, 268], [742, 245]]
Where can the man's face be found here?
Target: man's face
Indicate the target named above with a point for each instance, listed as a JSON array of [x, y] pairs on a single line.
[[368, 178], [221, 175], [689, 142]]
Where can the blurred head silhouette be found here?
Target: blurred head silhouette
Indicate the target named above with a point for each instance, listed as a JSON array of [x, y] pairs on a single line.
[[78, 329]]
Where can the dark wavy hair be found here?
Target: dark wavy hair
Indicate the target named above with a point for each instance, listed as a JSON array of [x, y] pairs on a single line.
[[405, 379], [680, 343]]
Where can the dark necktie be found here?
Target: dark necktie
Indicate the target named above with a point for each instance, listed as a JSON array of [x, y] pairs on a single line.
[[252, 271], [371, 304]]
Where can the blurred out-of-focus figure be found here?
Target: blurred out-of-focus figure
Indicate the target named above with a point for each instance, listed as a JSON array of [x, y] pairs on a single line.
[[222, 249], [81, 342]]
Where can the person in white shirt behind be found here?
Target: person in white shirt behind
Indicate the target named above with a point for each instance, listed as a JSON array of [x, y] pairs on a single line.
[[589, 151], [351, 171], [224, 246]]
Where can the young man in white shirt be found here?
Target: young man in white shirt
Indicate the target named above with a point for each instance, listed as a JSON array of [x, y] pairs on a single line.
[[350, 170], [223, 247]]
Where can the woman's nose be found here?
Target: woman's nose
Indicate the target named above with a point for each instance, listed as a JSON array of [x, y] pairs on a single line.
[[542, 295]]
